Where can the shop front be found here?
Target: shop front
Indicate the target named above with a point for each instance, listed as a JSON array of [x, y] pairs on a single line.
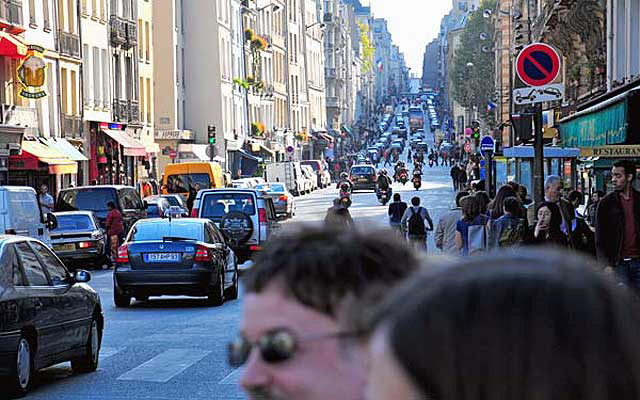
[[115, 156], [73, 153], [39, 164]]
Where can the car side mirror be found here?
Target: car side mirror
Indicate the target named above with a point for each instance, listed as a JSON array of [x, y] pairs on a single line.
[[81, 276], [51, 221]]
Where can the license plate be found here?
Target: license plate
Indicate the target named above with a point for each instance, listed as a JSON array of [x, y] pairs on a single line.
[[64, 247], [162, 257], [363, 180]]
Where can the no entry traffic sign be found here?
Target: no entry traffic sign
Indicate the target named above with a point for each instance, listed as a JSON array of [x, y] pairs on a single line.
[[538, 64]]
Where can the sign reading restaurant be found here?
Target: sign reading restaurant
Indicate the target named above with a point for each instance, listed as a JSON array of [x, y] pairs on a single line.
[[611, 151]]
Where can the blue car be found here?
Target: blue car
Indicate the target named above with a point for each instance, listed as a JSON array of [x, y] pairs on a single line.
[[175, 256]]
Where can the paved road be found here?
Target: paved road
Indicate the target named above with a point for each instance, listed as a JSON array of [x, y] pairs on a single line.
[[175, 348]]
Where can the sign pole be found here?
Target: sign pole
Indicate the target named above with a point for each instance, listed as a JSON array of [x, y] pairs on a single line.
[[489, 173], [538, 157]]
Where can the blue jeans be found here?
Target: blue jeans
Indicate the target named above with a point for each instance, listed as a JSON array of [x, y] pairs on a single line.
[[628, 274]]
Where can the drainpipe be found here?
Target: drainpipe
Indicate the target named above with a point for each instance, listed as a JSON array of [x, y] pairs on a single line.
[[610, 38]]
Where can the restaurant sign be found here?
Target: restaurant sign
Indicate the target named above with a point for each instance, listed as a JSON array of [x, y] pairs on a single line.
[[611, 151]]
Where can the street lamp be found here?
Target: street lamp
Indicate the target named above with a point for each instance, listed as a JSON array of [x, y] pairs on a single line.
[[322, 25], [469, 64], [275, 7]]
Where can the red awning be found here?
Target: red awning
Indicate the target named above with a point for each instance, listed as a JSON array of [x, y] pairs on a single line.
[[12, 46], [34, 153]]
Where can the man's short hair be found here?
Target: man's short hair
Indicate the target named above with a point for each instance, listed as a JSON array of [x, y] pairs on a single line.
[[321, 267], [629, 167], [459, 197], [396, 197], [551, 180], [415, 201]]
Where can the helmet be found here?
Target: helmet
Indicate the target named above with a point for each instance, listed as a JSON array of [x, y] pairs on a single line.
[[344, 175]]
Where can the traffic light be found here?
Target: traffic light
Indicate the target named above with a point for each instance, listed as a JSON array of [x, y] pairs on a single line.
[[211, 134], [476, 136]]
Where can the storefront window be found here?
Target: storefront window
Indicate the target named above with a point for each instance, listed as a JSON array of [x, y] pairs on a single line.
[[525, 174], [501, 172]]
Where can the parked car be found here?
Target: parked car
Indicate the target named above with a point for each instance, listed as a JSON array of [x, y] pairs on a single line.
[[184, 256], [321, 170], [283, 201], [156, 206], [79, 240], [176, 200], [246, 217], [20, 214], [311, 176], [95, 198], [363, 177], [243, 183], [289, 173], [49, 316]]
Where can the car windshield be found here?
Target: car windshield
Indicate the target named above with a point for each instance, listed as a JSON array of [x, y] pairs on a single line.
[[215, 205], [269, 187], [157, 230], [362, 171], [183, 182], [86, 199], [173, 201], [78, 222]]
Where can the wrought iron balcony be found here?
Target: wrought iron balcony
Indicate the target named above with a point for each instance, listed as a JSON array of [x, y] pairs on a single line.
[[11, 16], [68, 44], [118, 31], [329, 18], [134, 111], [131, 35], [71, 126], [120, 110]]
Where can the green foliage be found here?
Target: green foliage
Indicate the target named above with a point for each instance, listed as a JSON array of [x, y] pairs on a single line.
[[473, 86], [368, 49], [241, 83]]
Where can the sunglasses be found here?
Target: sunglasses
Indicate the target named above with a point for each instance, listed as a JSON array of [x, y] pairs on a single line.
[[275, 347]]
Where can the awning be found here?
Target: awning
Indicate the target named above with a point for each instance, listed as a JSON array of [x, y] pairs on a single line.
[[66, 148], [549, 152], [132, 147], [34, 153], [257, 147], [12, 46], [249, 156]]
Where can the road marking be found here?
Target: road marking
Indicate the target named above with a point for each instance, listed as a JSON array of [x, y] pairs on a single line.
[[164, 366], [106, 351], [233, 378]]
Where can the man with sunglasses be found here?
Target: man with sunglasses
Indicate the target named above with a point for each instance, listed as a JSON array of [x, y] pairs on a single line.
[[290, 340]]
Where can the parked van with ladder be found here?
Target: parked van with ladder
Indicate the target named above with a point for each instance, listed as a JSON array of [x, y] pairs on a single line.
[[289, 173]]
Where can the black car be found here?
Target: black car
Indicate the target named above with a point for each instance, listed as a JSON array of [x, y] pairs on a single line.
[[95, 198], [47, 316], [79, 240], [180, 256], [363, 177]]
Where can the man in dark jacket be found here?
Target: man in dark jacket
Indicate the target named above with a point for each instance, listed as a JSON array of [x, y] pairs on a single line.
[[396, 211], [618, 226]]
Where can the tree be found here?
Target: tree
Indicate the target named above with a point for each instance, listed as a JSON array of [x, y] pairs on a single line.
[[473, 71]]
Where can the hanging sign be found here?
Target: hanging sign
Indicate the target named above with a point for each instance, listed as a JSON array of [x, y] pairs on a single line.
[[32, 74]]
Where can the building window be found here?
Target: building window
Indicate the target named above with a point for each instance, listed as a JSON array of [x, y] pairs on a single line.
[[140, 41], [143, 103], [147, 44], [61, 15], [83, 7], [97, 86], [72, 14], [105, 79], [94, 8], [86, 82], [149, 101], [45, 13], [63, 91], [74, 94], [32, 13]]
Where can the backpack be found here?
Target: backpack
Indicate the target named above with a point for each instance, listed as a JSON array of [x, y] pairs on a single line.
[[512, 233], [477, 241], [416, 223]]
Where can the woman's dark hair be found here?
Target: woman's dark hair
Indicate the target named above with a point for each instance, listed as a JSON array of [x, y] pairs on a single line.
[[459, 197], [514, 185], [495, 207], [556, 216], [111, 205], [575, 195], [470, 206], [509, 326], [514, 206], [484, 199], [522, 192]]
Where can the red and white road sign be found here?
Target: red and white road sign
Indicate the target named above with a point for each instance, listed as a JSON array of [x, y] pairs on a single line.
[[538, 64]]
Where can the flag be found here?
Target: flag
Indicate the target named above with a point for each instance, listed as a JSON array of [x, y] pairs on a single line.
[[380, 65], [491, 106]]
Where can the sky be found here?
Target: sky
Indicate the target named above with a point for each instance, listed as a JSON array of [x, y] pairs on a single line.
[[412, 23]]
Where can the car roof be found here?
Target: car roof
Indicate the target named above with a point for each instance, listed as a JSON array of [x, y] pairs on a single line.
[[16, 238], [117, 187], [79, 212], [362, 165], [174, 221]]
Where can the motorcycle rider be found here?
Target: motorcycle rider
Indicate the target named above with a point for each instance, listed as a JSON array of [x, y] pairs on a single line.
[[338, 215], [383, 182], [417, 175], [400, 166], [344, 178]]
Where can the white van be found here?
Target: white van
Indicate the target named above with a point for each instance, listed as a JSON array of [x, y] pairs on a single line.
[[20, 214], [289, 173]]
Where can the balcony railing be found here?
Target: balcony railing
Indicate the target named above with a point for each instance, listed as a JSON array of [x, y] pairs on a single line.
[[118, 30], [68, 44], [330, 73], [333, 102], [71, 126], [120, 110], [134, 111], [328, 17], [11, 15], [131, 35]]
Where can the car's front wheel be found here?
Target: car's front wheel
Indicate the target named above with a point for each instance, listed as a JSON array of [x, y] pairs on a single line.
[[89, 360], [22, 375]]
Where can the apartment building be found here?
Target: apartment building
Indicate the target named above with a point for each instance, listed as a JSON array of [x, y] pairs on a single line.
[[314, 64], [147, 169]]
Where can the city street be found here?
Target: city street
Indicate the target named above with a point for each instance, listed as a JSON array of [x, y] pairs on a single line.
[[175, 348]]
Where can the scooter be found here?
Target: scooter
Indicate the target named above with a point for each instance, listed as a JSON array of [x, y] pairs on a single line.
[[383, 196], [345, 194], [417, 182]]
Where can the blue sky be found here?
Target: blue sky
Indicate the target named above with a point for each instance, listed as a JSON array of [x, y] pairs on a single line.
[[413, 24]]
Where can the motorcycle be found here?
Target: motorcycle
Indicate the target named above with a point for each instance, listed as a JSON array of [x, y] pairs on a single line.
[[383, 196], [417, 181], [345, 194]]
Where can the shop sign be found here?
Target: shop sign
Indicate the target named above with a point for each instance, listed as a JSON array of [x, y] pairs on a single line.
[[611, 151], [32, 74], [174, 135]]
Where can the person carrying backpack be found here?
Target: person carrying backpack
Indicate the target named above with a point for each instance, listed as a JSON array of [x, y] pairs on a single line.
[[413, 223], [471, 230], [511, 228]]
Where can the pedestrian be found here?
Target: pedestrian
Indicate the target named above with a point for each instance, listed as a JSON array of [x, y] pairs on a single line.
[[115, 228], [455, 173], [510, 228], [291, 344], [462, 179], [583, 236], [576, 199], [46, 200], [485, 200], [409, 156], [496, 207], [548, 230], [338, 216], [617, 225], [445, 236], [592, 207], [396, 211], [471, 230], [413, 222], [506, 327], [553, 194]]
